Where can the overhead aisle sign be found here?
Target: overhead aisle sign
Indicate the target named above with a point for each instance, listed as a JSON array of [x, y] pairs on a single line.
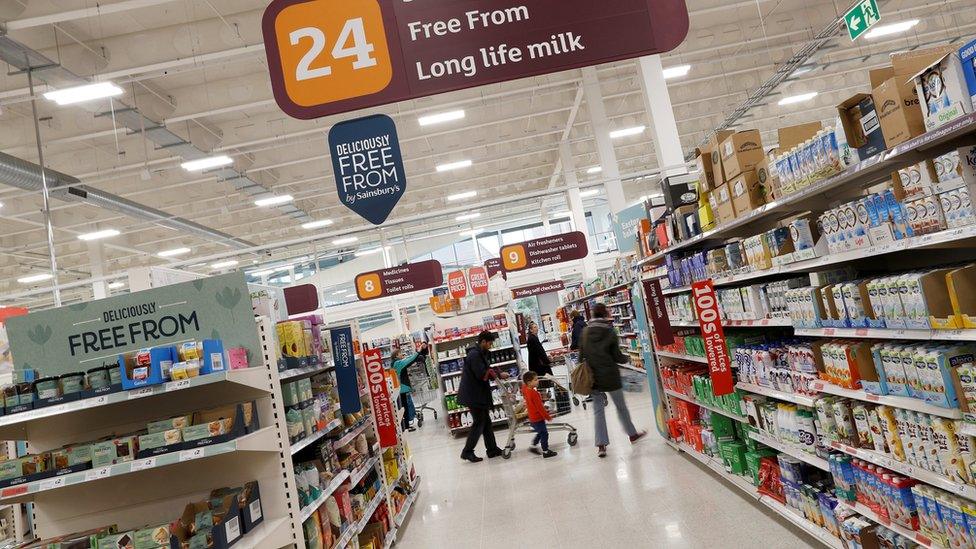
[[328, 56], [544, 252], [403, 279], [538, 289]]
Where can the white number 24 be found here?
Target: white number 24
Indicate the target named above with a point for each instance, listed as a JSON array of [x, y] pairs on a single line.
[[353, 31]]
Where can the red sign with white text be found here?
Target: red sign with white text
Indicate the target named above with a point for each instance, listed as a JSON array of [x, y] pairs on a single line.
[[379, 394], [478, 280], [710, 322], [457, 283]]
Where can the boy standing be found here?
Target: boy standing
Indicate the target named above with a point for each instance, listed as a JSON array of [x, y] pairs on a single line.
[[538, 415]]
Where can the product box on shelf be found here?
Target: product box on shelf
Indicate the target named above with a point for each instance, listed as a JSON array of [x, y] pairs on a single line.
[[967, 55], [791, 136], [898, 111], [961, 284], [861, 126], [741, 151], [747, 192], [225, 524], [711, 154], [942, 91], [768, 179], [723, 206]]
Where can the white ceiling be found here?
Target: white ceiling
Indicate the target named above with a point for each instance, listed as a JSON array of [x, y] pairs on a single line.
[[199, 67]]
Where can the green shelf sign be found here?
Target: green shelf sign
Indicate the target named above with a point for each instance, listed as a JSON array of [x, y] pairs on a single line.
[[862, 17]]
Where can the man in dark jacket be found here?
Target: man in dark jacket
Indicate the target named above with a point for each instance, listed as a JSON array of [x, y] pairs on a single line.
[[577, 329], [600, 348], [538, 359], [475, 393]]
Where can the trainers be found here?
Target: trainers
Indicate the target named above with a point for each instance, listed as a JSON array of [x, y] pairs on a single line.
[[472, 458], [549, 454], [535, 450], [601, 451], [638, 436]]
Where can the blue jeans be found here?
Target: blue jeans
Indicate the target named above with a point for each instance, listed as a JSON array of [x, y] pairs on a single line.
[[406, 400], [600, 415], [541, 434]]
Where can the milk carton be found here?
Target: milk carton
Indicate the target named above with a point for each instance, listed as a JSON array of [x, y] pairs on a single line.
[[889, 428], [908, 431]]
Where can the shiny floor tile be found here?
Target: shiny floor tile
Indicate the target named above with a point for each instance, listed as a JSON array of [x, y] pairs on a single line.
[[644, 495]]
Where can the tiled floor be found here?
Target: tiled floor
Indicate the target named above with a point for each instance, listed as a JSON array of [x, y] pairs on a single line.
[[639, 496]]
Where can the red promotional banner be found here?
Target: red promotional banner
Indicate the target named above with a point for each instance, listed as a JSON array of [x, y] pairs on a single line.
[[658, 312], [402, 279], [710, 321], [478, 280], [457, 283], [379, 394], [327, 56]]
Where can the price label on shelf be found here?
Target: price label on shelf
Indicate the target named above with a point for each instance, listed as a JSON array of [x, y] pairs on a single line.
[[143, 464], [52, 483], [829, 331], [97, 474], [873, 398], [178, 385], [196, 453], [140, 393], [817, 385], [96, 401]]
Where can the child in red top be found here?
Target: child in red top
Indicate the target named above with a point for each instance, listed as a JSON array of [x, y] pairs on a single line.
[[538, 415]]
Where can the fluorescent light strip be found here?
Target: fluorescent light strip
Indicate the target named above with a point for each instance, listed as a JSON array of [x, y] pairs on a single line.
[[676, 72], [347, 240], [561, 215], [116, 285], [207, 163], [274, 200], [462, 196], [594, 169], [98, 235], [35, 278], [340, 292], [589, 193], [441, 118], [468, 217], [174, 252], [792, 100], [317, 224], [261, 274], [894, 28], [454, 166], [365, 253], [627, 132], [81, 94], [224, 264]]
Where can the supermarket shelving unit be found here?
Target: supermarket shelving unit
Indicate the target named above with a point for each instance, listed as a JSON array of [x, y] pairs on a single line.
[[456, 348], [816, 197]]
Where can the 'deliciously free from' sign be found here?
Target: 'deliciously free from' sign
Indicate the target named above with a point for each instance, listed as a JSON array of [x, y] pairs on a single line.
[[84, 336], [331, 56], [368, 166]]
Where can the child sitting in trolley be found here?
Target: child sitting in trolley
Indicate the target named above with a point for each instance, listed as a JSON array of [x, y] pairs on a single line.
[[538, 414]]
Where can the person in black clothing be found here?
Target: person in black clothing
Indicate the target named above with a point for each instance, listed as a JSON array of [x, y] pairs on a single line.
[[577, 330], [475, 393], [538, 359]]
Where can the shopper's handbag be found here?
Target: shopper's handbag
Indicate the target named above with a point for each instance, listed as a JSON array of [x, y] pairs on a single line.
[[582, 378]]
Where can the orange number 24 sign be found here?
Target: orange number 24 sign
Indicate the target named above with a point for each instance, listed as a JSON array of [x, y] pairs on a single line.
[[332, 51]]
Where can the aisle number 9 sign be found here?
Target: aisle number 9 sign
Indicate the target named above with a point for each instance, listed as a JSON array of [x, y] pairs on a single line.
[[330, 51]]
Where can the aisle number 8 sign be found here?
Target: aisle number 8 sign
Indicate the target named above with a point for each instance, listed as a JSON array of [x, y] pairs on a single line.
[[332, 51]]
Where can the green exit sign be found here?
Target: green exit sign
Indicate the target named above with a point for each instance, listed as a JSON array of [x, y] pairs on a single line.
[[862, 17]]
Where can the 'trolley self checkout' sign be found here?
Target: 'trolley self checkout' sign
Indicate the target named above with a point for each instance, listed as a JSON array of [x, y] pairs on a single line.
[[333, 56]]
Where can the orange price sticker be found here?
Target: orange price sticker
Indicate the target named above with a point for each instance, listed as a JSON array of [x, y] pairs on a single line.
[[369, 286], [332, 51], [514, 258]]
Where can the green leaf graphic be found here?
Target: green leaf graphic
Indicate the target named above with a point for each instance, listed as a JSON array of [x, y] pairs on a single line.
[[40, 334], [228, 298], [198, 284]]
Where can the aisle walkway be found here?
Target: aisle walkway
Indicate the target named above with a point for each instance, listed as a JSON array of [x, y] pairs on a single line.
[[639, 496]]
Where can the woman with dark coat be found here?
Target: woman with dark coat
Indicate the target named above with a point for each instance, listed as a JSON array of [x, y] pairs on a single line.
[[577, 330], [600, 349], [538, 359]]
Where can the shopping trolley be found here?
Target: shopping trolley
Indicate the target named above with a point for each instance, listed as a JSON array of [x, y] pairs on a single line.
[[556, 399], [424, 385]]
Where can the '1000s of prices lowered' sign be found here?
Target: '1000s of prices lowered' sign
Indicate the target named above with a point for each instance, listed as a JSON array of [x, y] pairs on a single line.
[[544, 252], [710, 322], [404, 279], [379, 394], [333, 56]]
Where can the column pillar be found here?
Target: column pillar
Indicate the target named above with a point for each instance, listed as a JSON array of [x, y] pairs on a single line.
[[96, 254], [575, 203], [604, 146], [657, 101]]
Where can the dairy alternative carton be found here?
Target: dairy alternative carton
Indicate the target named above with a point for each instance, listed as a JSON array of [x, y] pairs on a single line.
[[889, 427], [877, 434], [908, 431]]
